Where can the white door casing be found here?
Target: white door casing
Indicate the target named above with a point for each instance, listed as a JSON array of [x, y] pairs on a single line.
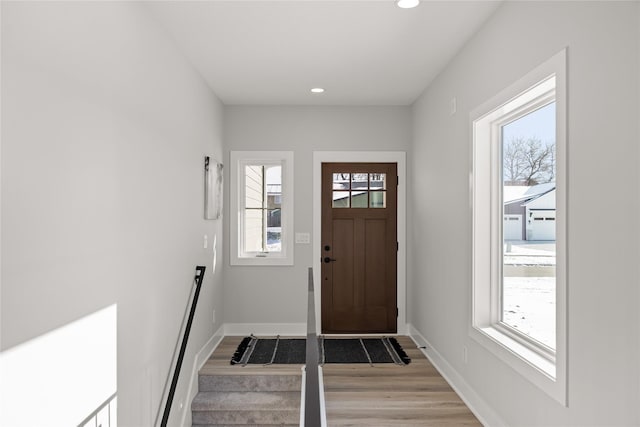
[[398, 157]]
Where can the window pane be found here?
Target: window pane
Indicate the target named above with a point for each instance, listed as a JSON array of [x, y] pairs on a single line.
[[359, 199], [341, 181], [274, 203], [253, 230], [274, 218], [378, 181], [340, 199], [274, 231], [273, 182], [378, 199], [359, 181], [254, 193], [529, 247]]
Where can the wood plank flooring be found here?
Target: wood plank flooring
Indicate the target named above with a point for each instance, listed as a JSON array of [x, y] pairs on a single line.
[[391, 395], [361, 395]]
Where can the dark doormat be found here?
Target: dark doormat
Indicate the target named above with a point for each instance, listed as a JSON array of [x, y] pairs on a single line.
[[268, 351]]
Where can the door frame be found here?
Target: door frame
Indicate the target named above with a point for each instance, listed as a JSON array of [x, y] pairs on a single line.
[[398, 157]]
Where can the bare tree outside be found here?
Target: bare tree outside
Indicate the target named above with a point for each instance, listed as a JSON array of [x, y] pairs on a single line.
[[528, 161]]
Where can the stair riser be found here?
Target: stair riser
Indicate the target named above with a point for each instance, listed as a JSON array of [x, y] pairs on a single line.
[[245, 417], [249, 383]]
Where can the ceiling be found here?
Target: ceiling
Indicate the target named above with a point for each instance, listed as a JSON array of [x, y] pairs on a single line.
[[362, 52]]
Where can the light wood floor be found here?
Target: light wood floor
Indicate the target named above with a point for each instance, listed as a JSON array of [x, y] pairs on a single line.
[[361, 395], [390, 395]]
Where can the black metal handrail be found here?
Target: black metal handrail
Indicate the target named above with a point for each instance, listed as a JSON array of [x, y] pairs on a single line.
[[187, 329], [312, 412]]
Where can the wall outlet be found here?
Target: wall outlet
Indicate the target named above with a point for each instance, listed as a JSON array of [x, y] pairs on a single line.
[[453, 107], [465, 354], [205, 242], [213, 316]]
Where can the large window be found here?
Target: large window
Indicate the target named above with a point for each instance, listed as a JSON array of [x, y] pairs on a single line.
[[519, 223], [261, 203]]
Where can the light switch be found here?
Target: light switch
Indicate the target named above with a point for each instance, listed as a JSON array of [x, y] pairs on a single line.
[[304, 238]]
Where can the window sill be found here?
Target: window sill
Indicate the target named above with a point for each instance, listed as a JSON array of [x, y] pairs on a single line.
[[533, 366], [261, 261], [536, 360]]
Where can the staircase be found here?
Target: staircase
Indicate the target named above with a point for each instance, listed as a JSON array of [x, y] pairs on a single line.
[[244, 397]]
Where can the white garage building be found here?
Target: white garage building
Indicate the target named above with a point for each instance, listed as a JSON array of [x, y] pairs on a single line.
[[529, 212], [541, 217]]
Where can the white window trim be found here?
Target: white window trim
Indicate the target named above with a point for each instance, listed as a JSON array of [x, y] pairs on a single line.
[[237, 160], [544, 368]]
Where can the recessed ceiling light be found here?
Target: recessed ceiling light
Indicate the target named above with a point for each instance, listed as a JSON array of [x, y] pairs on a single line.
[[317, 90], [407, 4]]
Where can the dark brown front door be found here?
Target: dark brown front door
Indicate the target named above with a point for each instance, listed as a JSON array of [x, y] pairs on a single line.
[[359, 247]]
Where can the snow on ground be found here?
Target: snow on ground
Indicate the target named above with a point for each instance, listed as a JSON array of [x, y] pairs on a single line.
[[529, 305], [529, 260], [529, 289]]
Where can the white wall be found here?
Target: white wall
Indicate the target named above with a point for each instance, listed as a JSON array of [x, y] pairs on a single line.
[[603, 141], [104, 129], [278, 294]]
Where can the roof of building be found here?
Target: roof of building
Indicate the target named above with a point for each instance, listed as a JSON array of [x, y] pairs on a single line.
[[525, 193]]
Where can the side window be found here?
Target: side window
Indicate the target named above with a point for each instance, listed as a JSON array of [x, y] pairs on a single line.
[[261, 203]]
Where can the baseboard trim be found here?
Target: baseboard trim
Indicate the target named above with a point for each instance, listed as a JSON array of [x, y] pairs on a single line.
[[476, 404], [200, 359], [243, 329]]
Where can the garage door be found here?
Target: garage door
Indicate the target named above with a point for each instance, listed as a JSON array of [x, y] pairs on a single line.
[[543, 226], [512, 228]]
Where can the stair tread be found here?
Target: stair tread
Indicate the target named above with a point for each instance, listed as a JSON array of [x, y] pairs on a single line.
[[246, 401], [243, 373], [212, 368], [250, 383]]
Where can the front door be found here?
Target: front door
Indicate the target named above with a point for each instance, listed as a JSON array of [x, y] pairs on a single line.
[[359, 247]]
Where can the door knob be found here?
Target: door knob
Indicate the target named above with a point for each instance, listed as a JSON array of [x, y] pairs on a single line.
[[327, 260]]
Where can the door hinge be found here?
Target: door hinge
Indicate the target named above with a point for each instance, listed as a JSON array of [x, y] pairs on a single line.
[[397, 246], [397, 180], [397, 313]]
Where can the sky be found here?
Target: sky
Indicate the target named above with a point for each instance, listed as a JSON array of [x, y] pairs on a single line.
[[540, 124]]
